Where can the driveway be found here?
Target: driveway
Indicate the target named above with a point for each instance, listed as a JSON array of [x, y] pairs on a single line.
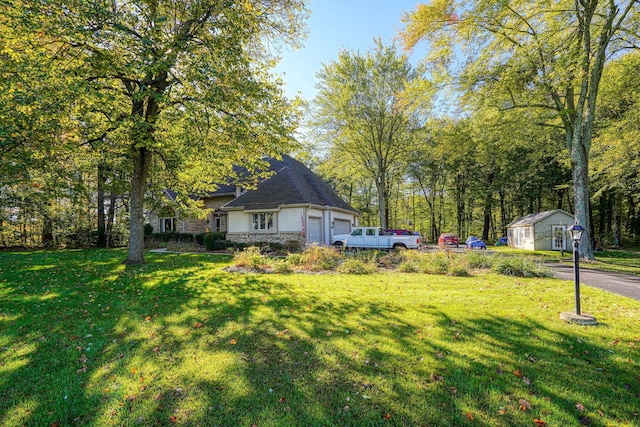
[[617, 283]]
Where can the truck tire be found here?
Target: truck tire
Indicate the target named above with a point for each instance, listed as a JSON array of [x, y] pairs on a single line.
[[399, 246]]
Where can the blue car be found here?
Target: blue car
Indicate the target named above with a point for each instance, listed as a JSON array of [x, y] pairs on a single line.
[[474, 243]]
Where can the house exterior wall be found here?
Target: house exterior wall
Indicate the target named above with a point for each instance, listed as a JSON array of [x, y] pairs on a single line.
[[521, 237]]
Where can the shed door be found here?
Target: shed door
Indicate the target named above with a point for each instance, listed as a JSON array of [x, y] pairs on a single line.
[[340, 226], [558, 240], [315, 229]]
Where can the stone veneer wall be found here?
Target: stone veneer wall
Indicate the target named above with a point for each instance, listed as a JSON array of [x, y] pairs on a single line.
[[281, 238]]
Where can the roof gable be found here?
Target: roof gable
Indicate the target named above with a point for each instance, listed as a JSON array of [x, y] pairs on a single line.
[[292, 184], [535, 218]]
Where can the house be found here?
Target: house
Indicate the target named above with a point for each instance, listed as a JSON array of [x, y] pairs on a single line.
[[540, 231], [292, 204]]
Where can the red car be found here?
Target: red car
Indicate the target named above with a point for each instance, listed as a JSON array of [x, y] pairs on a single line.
[[448, 239]]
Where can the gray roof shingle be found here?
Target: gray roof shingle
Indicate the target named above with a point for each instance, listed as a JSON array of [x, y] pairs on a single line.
[[293, 183]]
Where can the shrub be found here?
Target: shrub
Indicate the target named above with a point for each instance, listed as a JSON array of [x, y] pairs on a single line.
[[520, 267], [479, 260], [394, 259], [281, 266], [410, 266], [293, 246], [295, 259], [458, 267], [199, 238], [321, 257], [221, 245], [356, 266], [251, 258], [148, 229], [437, 263], [211, 237]]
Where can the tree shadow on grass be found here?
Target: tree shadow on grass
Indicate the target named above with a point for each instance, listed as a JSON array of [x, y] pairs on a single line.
[[178, 341]]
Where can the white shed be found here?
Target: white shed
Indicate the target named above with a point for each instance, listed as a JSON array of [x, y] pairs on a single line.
[[541, 231]]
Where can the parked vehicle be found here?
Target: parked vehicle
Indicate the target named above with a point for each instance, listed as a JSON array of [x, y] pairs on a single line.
[[375, 238], [502, 241], [448, 239], [475, 243], [401, 232]]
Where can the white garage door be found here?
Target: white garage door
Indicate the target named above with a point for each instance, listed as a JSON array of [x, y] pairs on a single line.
[[341, 226], [315, 229]]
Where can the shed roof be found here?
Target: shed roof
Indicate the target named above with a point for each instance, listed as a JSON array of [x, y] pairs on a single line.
[[535, 218], [293, 183]]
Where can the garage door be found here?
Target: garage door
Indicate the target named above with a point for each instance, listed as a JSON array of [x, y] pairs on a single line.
[[315, 229], [340, 226]]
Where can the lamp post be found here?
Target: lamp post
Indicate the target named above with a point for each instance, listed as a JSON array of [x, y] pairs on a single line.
[[576, 234], [576, 231]]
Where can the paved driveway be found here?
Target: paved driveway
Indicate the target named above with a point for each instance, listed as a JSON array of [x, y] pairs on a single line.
[[617, 283]]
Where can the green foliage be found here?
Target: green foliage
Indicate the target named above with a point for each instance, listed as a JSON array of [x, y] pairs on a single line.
[[321, 257], [478, 259], [520, 266], [148, 230], [434, 263], [251, 257], [356, 266], [211, 238]]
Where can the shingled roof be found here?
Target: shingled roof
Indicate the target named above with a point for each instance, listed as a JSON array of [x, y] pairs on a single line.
[[535, 218], [292, 184]]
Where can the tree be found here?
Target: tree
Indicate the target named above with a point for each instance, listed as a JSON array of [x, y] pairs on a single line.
[[546, 55], [361, 109], [181, 85]]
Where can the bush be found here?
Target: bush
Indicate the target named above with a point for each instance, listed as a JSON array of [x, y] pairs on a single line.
[[211, 237], [251, 258], [199, 238], [356, 266], [148, 229], [479, 260], [321, 257], [410, 266], [437, 263], [458, 268], [520, 267], [295, 259], [221, 245], [281, 266]]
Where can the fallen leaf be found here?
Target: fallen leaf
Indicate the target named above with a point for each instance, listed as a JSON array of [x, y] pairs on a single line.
[[517, 373], [281, 400], [532, 360], [453, 390], [346, 408], [524, 405], [579, 407], [156, 349], [600, 413], [329, 333], [232, 341], [470, 416], [81, 370], [526, 380], [585, 421], [539, 423], [134, 370], [173, 419], [435, 377], [198, 325], [387, 416], [440, 355], [501, 412], [148, 318]]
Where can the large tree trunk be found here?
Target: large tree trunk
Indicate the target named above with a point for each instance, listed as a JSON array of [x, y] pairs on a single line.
[[580, 167], [141, 158], [102, 241]]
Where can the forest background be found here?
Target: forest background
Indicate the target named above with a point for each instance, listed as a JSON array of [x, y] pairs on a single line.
[[105, 105]]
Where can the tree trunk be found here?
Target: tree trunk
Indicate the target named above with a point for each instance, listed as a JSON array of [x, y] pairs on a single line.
[[617, 220], [101, 243], [580, 167], [141, 158], [110, 218]]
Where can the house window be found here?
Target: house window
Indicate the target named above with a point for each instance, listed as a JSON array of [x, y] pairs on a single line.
[[527, 233], [262, 221], [167, 224]]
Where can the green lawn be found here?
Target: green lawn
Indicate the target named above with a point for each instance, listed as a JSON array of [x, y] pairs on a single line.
[[85, 340]]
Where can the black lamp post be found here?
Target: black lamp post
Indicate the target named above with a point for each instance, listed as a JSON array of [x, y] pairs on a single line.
[[577, 317], [576, 234]]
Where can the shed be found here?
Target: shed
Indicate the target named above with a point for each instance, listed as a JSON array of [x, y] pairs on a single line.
[[540, 231]]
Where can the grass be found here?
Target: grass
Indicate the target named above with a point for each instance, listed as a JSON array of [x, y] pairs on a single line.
[[615, 260], [85, 340]]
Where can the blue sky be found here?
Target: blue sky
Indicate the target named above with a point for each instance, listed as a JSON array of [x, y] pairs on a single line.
[[335, 25]]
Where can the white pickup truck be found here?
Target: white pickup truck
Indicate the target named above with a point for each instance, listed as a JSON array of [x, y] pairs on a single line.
[[375, 238]]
